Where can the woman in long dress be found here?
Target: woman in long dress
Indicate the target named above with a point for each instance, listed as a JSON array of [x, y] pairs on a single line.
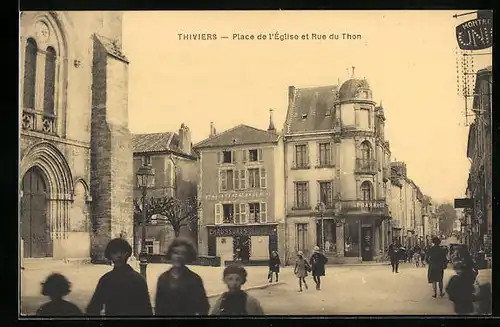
[[436, 258]]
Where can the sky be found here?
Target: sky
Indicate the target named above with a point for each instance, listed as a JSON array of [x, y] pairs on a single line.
[[407, 57]]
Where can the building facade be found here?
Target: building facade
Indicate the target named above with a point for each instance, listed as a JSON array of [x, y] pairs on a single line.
[[479, 148], [176, 175], [335, 154], [75, 153], [241, 189]]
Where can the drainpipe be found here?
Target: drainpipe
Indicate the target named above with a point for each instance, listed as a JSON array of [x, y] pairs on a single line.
[[285, 219]]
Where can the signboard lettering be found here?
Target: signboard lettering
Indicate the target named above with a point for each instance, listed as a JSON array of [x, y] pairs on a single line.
[[475, 34], [235, 195], [463, 203], [241, 230]]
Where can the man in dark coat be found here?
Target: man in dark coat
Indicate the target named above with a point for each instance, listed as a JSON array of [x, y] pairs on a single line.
[[318, 262], [394, 256], [437, 261], [122, 291]]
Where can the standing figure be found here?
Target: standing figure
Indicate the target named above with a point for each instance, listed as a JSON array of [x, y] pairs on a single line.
[[236, 302], [301, 269], [461, 291], [393, 253], [56, 287], [422, 256], [274, 266], [436, 258], [122, 291], [318, 262], [180, 292]]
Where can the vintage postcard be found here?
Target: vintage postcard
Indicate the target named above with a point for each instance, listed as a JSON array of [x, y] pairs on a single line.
[[194, 163]]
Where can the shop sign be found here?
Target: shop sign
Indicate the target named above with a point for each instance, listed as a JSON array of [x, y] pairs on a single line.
[[237, 196], [241, 231], [475, 34]]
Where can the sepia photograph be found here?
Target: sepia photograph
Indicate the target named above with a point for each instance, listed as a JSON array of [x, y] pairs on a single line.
[[255, 163]]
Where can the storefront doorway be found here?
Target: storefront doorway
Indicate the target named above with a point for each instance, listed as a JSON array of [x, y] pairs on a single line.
[[367, 243], [241, 248]]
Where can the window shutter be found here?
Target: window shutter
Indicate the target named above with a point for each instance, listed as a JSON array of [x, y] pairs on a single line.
[[245, 155], [307, 155], [318, 154], [295, 197], [263, 178], [318, 193], [237, 213], [219, 157], [223, 181], [218, 214], [243, 213], [331, 153], [232, 179], [307, 195], [259, 154], [242, 179], [263, 212], [236, 179], [233, 156]]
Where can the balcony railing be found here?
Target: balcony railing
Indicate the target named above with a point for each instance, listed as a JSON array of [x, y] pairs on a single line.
[[366, 166], [39, 121], [368, 206]]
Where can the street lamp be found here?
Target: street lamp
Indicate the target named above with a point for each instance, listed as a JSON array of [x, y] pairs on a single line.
[[320, 207], [145, 180]]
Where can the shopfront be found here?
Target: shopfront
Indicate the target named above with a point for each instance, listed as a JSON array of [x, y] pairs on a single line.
[[246, 244]]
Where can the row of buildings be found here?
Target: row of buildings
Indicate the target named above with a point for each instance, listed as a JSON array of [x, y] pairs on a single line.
[[477, 219], [260, 189]]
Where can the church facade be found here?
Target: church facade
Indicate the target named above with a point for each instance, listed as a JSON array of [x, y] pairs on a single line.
[[75, 174]]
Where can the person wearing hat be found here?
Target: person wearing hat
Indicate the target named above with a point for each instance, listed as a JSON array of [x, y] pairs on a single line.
[[437, 261], [301, 269], [318, 262], [460, 289], [122, 291]]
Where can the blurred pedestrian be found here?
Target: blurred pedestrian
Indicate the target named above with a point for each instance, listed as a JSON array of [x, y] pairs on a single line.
[[301, 269], [56, 287], [180, 291], [274, 266], [423, 252], [483, 299], [236, 302], [318, 262], [436, 258], [461, 291], [122, 291], [393, 253]]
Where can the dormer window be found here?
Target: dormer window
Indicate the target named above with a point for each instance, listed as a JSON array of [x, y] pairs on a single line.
[[227, 156], [304, 116]]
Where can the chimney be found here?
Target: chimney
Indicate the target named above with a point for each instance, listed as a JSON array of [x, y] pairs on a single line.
[[271, 127], [291, 93], [212, 129], [185, 139]]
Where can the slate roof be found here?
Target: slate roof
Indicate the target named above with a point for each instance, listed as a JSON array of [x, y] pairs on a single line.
[[350, 88], [158, 142], [307, 108], [239, 135]]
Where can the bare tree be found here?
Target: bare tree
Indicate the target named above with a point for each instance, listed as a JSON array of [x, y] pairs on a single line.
[[176, 212]]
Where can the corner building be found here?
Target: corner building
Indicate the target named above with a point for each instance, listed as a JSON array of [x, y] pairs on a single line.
[[76, 158], [241, 189], [335, 153]]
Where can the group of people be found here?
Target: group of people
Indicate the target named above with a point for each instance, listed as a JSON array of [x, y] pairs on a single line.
[[124, 292], [461, 287]]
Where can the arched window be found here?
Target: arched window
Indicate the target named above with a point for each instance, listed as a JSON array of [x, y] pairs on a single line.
[[29, 74], [49, 84], [366, 191], [366, 151]]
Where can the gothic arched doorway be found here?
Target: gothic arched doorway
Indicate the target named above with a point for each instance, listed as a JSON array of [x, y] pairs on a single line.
[[35, 231]]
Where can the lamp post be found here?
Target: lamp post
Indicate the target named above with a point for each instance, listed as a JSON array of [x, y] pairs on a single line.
[[145, 179], [320, 207]]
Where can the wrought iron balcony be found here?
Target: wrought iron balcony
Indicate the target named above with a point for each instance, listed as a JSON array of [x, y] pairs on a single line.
[[366, 206], [38, 121], [366, 166]]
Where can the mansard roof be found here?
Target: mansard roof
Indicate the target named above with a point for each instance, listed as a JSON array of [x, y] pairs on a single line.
[[308, 108], [239, 135]]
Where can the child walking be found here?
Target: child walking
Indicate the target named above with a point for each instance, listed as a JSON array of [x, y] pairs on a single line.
[[301, 269], [56, 287], [236, 302], [274, 266], [122, 291]]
